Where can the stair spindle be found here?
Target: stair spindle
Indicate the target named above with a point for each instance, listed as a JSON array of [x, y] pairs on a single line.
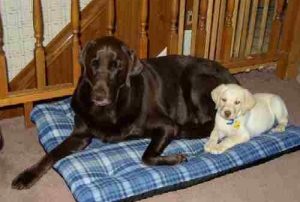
[[143, 49], [39, 52], [75, 13]]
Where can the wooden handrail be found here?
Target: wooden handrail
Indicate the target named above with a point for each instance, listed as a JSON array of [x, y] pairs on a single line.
[[32, 95], [111, 17], [39, 52], [173, 45], [75, 12], [3, 66], [143, 43]]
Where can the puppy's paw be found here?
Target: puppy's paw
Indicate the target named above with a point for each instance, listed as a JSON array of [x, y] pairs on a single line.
[[209, 146], [24, 180], [217, 149], [279, 129]]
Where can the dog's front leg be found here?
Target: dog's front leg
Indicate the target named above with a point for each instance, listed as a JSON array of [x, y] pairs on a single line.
[[161, 138], [229, 142], [212, 141], [78, 140]]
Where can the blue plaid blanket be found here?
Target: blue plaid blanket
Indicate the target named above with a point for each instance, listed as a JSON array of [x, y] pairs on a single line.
[[114, 172]]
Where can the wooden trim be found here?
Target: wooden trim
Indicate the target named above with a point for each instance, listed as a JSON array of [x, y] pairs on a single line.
[[75, 13], [3, 65], [250, 63], [32, 95], [39, 52]]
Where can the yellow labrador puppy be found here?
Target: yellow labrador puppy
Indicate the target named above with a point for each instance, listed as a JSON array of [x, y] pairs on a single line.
[[242, 115]]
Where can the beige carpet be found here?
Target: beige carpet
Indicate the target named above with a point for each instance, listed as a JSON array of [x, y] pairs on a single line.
[[275, 181]]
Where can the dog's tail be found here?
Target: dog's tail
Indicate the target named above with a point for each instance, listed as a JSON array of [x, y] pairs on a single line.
[[1, 140]]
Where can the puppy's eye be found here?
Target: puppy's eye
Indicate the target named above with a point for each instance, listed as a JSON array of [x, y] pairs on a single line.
[[224, 100], [237, 102]]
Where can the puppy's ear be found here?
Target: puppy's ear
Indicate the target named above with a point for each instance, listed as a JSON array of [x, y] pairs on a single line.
[[84, 55], [135, 66], [217, 92], [249, 101]]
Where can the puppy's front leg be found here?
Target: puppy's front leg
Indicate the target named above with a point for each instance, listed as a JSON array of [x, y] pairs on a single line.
[[212, 142], [230, 142]]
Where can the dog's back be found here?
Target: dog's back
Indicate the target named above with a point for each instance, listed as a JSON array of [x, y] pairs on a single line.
[[269, 109]]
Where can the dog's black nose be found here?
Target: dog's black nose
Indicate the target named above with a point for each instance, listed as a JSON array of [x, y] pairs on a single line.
[[227, 113]]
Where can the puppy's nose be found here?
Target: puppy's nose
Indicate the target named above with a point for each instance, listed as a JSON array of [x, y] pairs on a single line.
[[227, 113]]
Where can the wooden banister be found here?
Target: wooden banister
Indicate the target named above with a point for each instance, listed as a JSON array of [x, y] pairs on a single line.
[[143, 43], [75, 12], [111, 17], [276, 28], [39, 52], [173, 42], [3, 66], [227, 32]]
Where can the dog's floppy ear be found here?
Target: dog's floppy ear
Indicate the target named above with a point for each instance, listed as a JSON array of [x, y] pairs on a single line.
[[83, 55], [216, 93], [249, 101], [135, 66]]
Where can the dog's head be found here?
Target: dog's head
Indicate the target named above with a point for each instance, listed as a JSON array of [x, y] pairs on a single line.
[[107, 65], [232, 100]]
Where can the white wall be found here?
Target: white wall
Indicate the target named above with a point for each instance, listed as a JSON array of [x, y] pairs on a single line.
[[18, 28]]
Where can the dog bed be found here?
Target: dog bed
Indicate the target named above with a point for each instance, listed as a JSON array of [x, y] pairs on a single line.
[[114, 172]]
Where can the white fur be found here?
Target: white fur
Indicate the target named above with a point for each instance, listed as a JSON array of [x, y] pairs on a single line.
[[252, 115]]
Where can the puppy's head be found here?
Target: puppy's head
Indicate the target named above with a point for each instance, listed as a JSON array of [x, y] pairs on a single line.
[[232, 100], [107, 65]]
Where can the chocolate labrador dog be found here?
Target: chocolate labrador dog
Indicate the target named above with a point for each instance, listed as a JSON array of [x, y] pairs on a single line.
[[120, 97]]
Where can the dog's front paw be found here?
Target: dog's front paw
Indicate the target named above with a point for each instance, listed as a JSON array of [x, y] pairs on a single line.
[[279, 129], [217, 149], [24, 180], [209, 146]]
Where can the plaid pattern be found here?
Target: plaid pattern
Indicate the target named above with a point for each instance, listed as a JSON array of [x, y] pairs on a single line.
[[112, 172]]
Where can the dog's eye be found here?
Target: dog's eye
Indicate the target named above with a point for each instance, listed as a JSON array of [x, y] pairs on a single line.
[[116, 64], [95, 63], [237, 102], [224, 100]]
